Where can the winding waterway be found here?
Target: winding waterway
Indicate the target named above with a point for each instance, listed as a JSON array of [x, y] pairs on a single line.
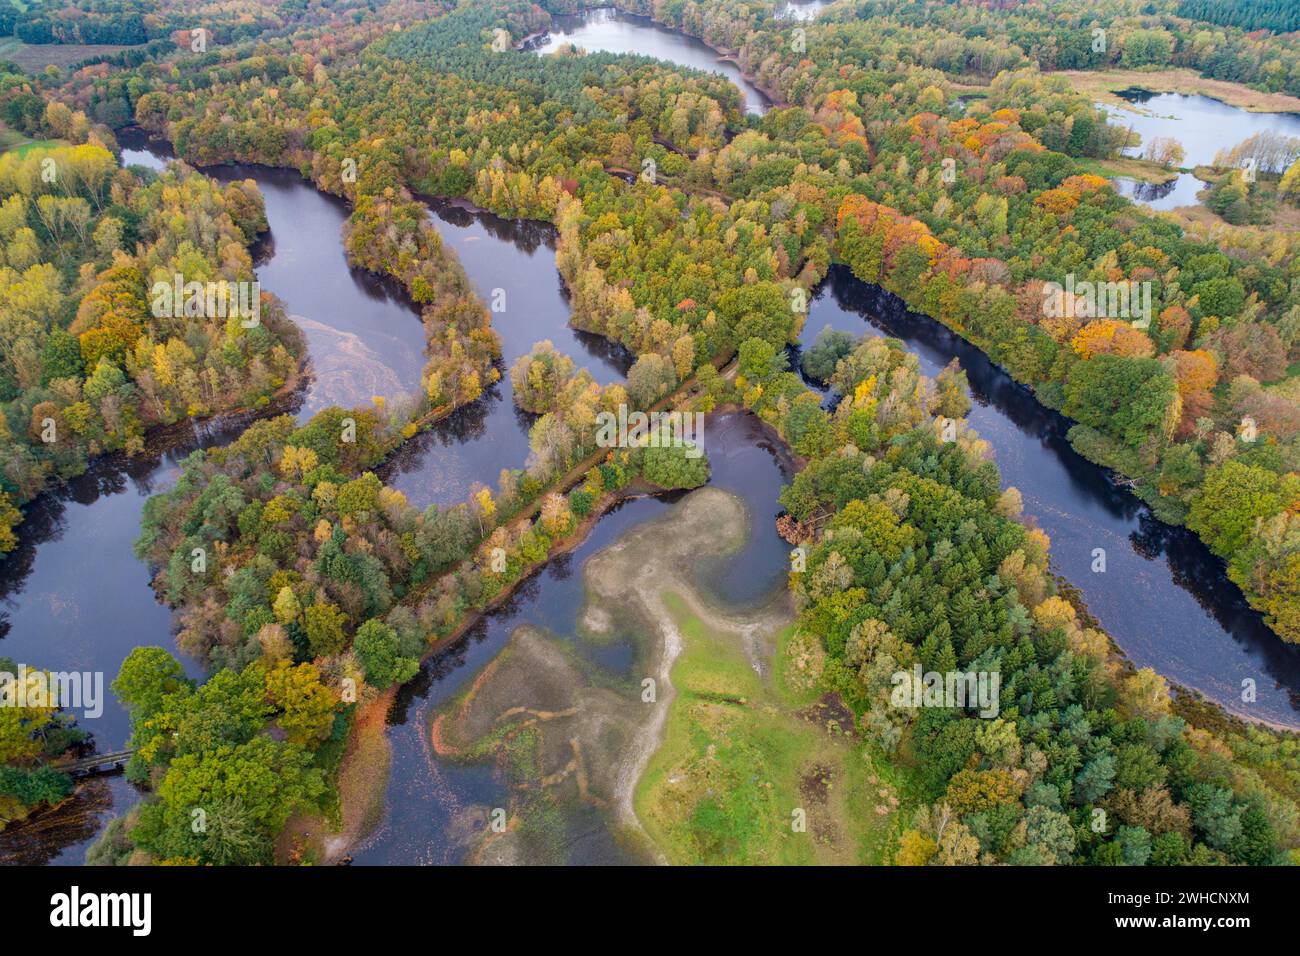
[[74, 597], [512, 265], [612, 31], [1163, 597]]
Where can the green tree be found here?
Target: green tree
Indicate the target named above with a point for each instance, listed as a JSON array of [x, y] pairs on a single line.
[[325, 625], [1128, 398], [379, 651], [147, 676], [305, 705]]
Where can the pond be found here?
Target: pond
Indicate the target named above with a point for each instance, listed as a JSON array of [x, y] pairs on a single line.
[[1203, 126]]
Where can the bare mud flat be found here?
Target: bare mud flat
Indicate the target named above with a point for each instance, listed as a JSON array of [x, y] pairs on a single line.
[[571, 734]]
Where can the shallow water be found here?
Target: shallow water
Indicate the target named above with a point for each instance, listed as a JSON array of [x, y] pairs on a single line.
[[364, 337], [1202, 125], [427, 797]]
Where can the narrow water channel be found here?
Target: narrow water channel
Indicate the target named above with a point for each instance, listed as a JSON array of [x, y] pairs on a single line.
[[1163, 597], [512, 265], [430, 803]]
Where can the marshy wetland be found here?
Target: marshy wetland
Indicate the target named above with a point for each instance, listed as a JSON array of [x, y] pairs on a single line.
[[649, 676]]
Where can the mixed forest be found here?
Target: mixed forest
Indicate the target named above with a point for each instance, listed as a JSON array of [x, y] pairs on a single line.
[[926, 147]]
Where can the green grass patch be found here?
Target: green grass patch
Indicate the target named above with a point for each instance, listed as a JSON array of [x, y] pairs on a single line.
[[739, 757], [11, 139], [1139, 169]]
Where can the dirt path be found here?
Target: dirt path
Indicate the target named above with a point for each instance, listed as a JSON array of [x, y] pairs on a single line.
[[657, 559]]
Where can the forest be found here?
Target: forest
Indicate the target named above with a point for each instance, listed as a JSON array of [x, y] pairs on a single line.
[[87, 367], [1247, 14], [916, 556], [133, 22], [926, 147]]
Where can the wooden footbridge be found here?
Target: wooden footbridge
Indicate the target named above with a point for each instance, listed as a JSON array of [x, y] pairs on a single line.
[[96, 763]]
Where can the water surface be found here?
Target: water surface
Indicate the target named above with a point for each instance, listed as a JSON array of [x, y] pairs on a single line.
[[73, 596], [613, 31], [1203, 126], [427, 798], [1164, 598], [512, 266], [803, 10], [1179, 191]]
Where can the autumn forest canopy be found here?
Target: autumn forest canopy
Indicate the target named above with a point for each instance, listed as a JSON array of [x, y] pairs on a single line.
[[932, 150]]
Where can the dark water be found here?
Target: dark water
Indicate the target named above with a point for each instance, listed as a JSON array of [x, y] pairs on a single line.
[[613, 31], [73, 596], [512, 265], [1202, 125], [1163, 597], [364, 337], [426, 795], [1180, 191]]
